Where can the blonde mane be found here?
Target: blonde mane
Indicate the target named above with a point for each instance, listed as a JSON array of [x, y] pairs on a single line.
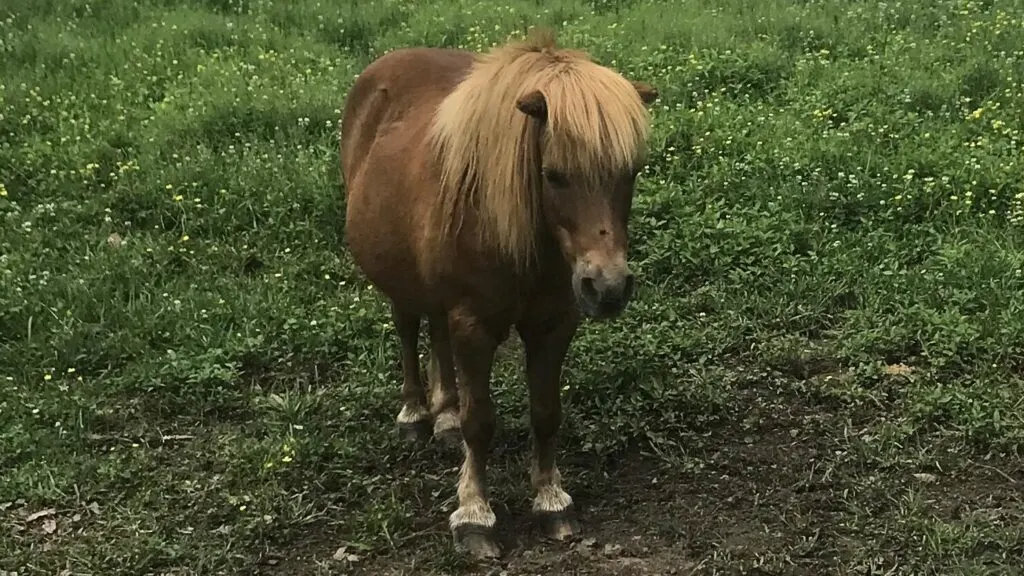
[[489, 151]]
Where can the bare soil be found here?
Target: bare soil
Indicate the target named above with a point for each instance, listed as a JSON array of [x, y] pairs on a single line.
[[798, 494]]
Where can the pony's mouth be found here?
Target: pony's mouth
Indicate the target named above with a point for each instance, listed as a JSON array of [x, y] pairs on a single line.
[[596, 307], [602, 310]]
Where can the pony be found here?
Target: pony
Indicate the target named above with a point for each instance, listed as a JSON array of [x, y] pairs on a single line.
[[485, 191]]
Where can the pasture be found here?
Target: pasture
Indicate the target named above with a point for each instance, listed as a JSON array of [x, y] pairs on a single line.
[[821, 371]]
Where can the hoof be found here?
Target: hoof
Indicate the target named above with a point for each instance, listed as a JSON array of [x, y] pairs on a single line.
[[561, 525], [450, 439], [447, 431], [415, 432], [476, 540]]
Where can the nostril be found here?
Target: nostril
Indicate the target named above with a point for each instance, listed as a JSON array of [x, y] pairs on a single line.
[[588, 288]]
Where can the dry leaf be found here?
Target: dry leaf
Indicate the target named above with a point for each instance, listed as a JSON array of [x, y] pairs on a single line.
[[342, 555], [49, 526], [898, 370], [114, 240], [41, 514], [612, 549], [925, 477]]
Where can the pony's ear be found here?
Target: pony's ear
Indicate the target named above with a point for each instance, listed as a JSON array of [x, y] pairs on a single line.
[[534, 104], [648, 93]]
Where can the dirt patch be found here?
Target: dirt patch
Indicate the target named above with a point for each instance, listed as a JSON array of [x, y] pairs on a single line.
[[789, 491]]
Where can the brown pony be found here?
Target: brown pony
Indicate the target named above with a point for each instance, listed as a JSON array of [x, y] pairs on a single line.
[[486, 191]]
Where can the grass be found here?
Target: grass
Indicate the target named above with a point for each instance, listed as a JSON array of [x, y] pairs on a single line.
[[821, 372]]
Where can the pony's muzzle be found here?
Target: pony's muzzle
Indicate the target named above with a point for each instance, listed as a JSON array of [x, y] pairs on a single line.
[[603, 292]]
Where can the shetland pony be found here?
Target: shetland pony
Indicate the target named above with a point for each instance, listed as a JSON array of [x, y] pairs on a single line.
[[486, 191]]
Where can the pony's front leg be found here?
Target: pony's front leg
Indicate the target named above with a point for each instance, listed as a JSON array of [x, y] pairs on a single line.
[[473, 347], [546, 344]]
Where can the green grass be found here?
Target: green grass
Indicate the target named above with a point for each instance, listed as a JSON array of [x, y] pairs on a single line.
[[827, 236]]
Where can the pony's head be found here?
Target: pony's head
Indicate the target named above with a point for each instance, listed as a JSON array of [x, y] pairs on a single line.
[[542, 141], [592, 126]]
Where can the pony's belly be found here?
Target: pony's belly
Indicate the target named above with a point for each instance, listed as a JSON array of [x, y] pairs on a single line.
[[385, 254]]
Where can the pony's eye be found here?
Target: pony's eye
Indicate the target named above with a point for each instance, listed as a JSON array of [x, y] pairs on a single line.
[[555, 178]]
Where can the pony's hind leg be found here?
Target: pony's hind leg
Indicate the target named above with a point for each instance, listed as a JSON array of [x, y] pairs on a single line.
[[414, 419], [444, 395], [546, 346], [472, 523]]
